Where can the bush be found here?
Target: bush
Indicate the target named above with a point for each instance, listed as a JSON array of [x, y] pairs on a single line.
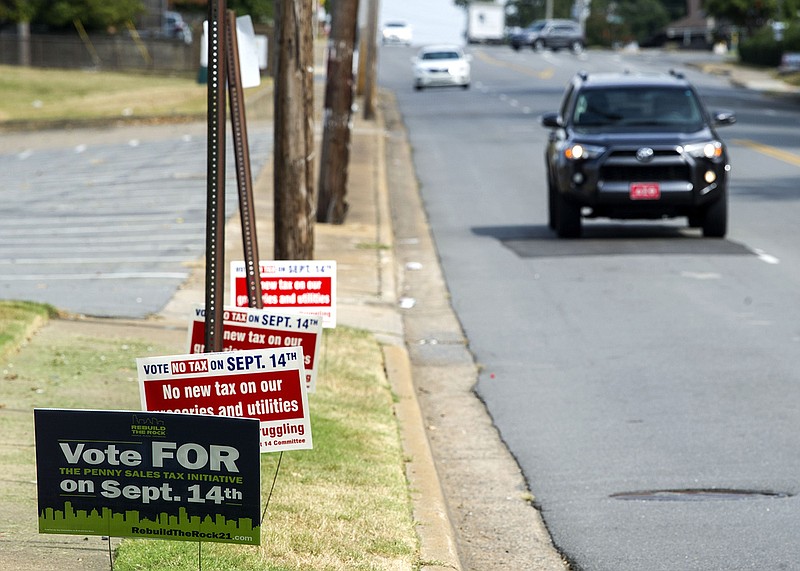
[[761, 49], [600, 32], [791, 38]]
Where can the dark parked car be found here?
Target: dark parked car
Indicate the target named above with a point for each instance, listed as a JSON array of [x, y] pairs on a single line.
[[638, 146], [552, 34]]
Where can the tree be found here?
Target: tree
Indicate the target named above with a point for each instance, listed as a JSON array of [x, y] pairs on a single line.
[[614, 21], [293, 176], [644, 18], [604, 26], [21, 12], [523, 12], [93, 14], [261, 11], [18, 10], [788, 10], [675, 8], [748, 14]]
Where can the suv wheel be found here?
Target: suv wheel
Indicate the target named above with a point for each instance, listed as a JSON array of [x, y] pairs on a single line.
[[567, 217], [715, 218]]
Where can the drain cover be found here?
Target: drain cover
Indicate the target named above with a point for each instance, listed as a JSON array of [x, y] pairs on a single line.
[[698, 495]]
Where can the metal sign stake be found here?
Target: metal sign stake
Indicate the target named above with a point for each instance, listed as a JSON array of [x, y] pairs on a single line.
[[215, 205], [243, 173]]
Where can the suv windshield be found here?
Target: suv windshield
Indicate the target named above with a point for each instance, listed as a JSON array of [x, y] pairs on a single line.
[[631, 107]]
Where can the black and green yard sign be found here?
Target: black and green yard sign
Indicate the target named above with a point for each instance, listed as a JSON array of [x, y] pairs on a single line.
[[148, 475]]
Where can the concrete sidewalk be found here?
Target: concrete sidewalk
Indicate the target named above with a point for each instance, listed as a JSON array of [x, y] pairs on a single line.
[[754, 79]]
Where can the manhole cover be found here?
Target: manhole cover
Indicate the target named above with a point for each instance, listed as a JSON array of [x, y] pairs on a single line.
[[698, 495]]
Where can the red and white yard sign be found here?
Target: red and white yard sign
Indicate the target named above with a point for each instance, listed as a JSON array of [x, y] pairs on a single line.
[[304, 287], [245, 328], [267, 384]]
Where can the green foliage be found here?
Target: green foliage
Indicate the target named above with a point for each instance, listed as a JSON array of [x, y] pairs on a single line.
[[523, 12], [675, 8], [791, 37], [102, 14], [261, 11], [761, 49], [18, 10], [93, 14], [788, 10], [627, 20], [748, 14], [644, 18], [602, 32]]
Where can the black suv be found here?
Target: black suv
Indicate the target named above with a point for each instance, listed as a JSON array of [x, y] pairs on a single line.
[[552, 34], [636, 146]]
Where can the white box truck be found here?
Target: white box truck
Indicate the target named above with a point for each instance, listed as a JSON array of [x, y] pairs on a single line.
[[486, 23]]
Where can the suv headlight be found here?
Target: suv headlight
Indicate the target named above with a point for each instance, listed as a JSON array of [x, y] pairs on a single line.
[[577, 151], [708, 150]]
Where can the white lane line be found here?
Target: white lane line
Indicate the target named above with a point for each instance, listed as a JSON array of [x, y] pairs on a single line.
[[702, 275], [137, 229], [764, 257], [30, 250], [89, 261], [96, 276], [93, 221]]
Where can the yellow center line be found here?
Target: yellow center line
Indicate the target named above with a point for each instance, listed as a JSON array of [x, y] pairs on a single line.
[[544, 74], [785, 156]]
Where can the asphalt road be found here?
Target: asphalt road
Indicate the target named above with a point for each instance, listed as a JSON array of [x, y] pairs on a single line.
[[106, 222], [643, 377]]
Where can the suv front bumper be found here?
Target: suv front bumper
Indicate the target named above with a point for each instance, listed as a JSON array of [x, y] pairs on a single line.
[[604, 184]]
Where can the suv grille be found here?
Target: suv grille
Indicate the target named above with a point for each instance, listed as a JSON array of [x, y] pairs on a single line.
[[666, 165], [619, 173]]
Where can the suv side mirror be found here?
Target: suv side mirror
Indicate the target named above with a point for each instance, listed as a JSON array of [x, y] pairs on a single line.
[[551, 120], [722, 118]]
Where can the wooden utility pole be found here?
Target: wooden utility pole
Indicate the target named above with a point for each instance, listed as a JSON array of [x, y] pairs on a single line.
[[331, 205], [370, 66], [293, 178]]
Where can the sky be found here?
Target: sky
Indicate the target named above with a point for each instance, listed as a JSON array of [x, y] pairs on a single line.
[[432, 21]]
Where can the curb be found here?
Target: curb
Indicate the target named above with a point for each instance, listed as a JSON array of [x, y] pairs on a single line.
[[438, 551], [436, 534]]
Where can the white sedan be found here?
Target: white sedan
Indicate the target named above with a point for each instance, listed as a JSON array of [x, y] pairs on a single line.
[[441, 65], [396, 33]]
